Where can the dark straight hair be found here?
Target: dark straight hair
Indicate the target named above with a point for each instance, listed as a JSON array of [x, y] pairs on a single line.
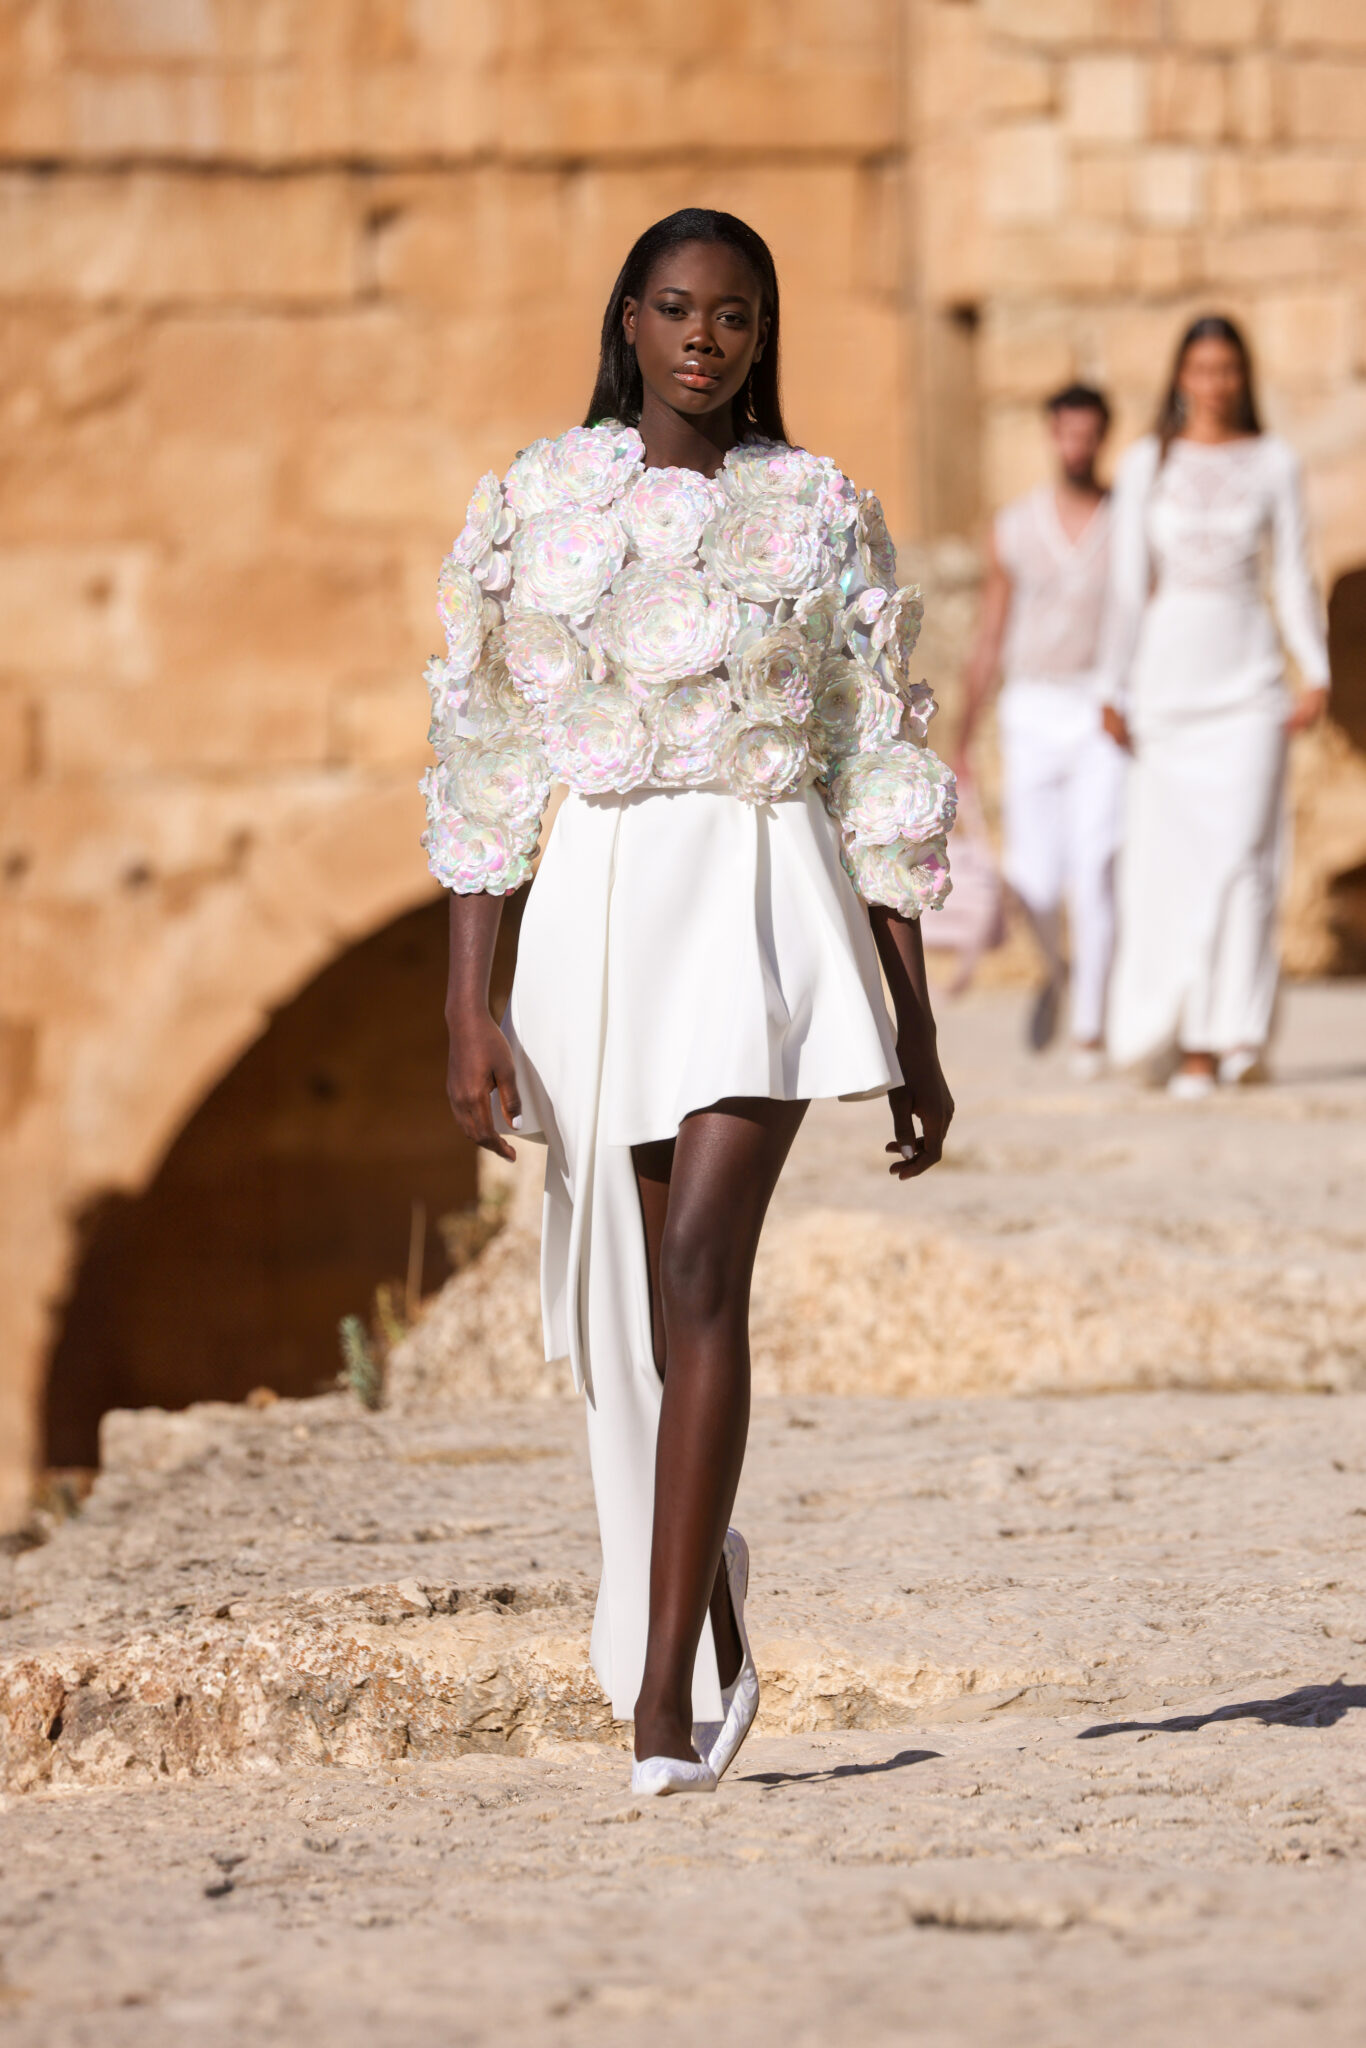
[[619, 392], [1171, 415]]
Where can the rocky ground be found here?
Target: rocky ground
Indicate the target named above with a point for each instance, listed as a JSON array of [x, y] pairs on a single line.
[[1064, 1722]]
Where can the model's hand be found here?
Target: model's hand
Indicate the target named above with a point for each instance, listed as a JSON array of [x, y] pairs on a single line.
[[925, 1094], [480, 1061], [1307, 710], [1117, 725]]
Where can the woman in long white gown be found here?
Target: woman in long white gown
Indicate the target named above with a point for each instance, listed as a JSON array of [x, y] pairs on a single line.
[[1193, 681], [697, 627]]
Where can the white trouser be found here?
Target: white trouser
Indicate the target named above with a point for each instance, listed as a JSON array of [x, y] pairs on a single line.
[[1062, 794]]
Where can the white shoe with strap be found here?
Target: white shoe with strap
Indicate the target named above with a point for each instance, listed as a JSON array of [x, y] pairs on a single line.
[[740, 1699]]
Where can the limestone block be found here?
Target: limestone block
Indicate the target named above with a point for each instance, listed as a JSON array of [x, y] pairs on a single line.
[[1130, 21], [1301, 183], [490, 238], [374, 470], [945, 69], [1026, 350], [1087, 258], [1135, 343], [1305, 337], [1106, 98], [49, 950], [1190, 98], [1014, 83], [381, 727], [270, 719], [1042, 21], [1231, 188], [1169, 186], [75, 608], [1269, 254], [151, 113], [327, 609], [1103, 183], [1164, 262], [1256, 98], [1228, 24], [1024, 173], [254, 31], [19, 734], [155, 236], [1014, 456], [950, 233], [1326, 101], [1323, 23]]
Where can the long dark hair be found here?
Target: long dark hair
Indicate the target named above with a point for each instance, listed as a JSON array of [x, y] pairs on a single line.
[[619, 392], [1171, 415]]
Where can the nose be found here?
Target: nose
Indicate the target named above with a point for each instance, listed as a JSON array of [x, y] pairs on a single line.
[[700, 340]]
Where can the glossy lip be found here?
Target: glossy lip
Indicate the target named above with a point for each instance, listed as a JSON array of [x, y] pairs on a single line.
[[697, 380]]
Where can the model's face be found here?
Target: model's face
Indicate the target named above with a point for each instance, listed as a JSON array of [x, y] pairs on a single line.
[[1077, 433], [697, 328], [1211, 382]]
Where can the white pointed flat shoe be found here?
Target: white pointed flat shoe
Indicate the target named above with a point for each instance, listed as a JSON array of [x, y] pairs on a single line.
[[657, 1776], [739, 1700], [1184, 1087]]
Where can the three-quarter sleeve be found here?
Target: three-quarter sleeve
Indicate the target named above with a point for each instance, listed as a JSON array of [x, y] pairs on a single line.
[[1130, 571], [1294, 590], [891, 797], [487, 791]]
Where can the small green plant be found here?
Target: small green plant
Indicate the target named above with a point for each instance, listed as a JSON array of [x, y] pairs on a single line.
[[360, 1372]]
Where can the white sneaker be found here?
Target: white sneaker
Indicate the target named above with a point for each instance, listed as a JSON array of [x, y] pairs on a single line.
[[1087, 1063], [1184, 1087], [657, 1776], [1245, 1064]]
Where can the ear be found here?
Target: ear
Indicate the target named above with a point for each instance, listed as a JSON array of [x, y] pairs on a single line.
[[629, 310], [762, 343]]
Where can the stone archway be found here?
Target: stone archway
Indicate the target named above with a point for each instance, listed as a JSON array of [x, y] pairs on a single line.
[[286, 1198]]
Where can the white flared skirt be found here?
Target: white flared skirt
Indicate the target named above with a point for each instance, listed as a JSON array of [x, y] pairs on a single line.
[[677, 948]]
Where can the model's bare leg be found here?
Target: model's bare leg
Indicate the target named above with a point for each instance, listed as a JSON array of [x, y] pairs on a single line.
[[702, 1221]]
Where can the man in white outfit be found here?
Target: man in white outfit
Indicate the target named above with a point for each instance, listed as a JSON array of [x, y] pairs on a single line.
[[1062, 775]]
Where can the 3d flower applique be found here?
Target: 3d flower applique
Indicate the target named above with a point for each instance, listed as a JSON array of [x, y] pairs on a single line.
[[690, 722], [664, 512], [764, 552], [597, 740], [918, 708], [909, 879], [770, 471], [466, 854], [900, 792], [489, 521], [818, 613], [876, 554], [593, 465], [460, 606], [763, 762], [775, 676], [563, 559], [500, 785], [852, 710], [542, 656], [660, 622], [896, 630]]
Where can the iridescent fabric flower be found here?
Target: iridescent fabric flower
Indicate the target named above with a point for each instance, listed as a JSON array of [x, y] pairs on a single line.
[[908, 879], [918, 708], [489, 521], [460, 608], [764, 551], [900, 792], [597, 740], [658, 623], [500, 785], [664, 512], [762, 762], [775, 677], [690, 722], [767, 470], [852, 710], [875, 550], [896, 630], [542, 656], [818, 613], [588, 466], [467, 855], [563, 560]]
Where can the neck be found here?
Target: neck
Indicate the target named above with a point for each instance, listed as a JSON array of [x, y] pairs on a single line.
[[1084, 486], [675, 440], [1209, 427]]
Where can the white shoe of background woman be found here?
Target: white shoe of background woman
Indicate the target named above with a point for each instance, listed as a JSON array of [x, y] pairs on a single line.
[[657, 1776], [1243, 1064], [740, 1699], [1184, 1087]]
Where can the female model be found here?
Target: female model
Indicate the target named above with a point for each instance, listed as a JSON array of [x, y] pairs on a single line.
[[697, 628], [1195, 687]]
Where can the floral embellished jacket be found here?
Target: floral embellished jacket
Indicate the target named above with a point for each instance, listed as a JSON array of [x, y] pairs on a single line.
[[615, 627]]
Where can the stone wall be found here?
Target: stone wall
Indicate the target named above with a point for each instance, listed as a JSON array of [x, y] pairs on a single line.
[[279, 278]]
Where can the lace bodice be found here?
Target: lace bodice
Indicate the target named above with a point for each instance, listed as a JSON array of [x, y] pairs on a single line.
[[1201, 523], [1057, 595], [615, 627]]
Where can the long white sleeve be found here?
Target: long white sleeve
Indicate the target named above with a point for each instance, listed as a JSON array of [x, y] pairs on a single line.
[[1298, 606], [1130, 570]]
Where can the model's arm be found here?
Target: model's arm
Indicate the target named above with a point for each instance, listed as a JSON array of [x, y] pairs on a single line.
[[1297, 599], [480, 1058], [1130, 578], [924, 1092], [984, 658]]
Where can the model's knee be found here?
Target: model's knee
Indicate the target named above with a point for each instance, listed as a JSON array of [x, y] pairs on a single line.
[[701, 1280]]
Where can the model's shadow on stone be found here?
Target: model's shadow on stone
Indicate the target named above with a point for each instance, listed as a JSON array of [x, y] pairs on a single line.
[[903, 1759], [1313, 1706]]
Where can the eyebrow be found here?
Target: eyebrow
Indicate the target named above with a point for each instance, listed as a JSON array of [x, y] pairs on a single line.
[[726, 299]]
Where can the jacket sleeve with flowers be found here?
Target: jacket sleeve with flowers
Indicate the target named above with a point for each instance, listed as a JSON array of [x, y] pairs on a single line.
[[613, 628]]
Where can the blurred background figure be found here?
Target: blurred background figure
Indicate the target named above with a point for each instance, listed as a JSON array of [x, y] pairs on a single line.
[[1195, 687], [1062, 775]]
